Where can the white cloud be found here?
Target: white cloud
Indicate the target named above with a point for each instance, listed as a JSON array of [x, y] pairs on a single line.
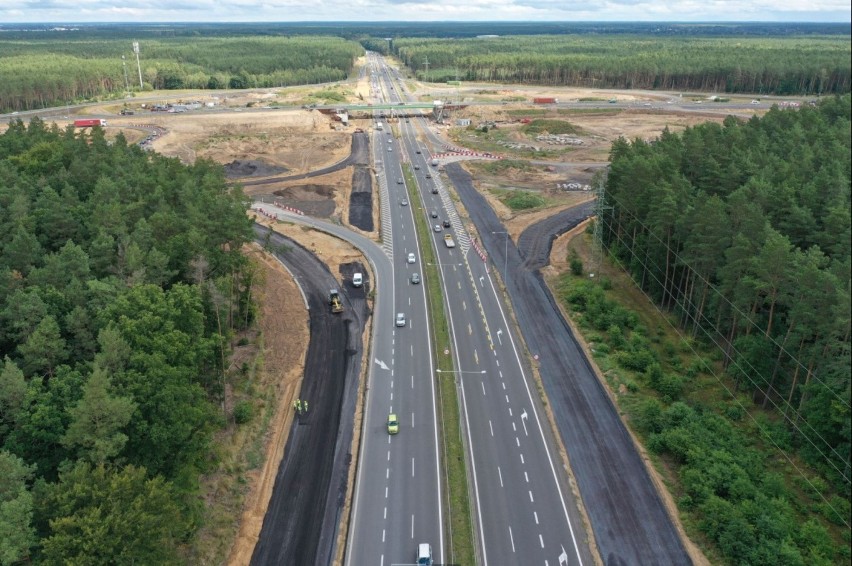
[[36, 11]]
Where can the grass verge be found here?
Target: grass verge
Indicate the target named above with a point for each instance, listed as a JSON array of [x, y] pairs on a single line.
[[457, 526]]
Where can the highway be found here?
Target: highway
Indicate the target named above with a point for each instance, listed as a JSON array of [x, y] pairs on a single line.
[[397, 499], [524, 512]]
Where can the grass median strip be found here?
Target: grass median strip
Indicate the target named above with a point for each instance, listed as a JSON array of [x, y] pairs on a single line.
[[457, 499]]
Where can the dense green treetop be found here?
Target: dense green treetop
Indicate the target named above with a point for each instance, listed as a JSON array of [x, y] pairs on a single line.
[[112, 346], [783, 66], [35, 73], [743, 230]]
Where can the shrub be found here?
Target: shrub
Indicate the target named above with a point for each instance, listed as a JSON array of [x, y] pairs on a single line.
[[576, 265], [637, 360], [649, 417], [670, 386], [616, 337], [523, 200], [243, 412]]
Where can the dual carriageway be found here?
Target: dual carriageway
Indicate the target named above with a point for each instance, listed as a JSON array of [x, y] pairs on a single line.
[[522, 505], [523, 508]]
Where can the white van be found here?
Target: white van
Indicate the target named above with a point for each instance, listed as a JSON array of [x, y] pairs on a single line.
[[357, 279], [424, 554]]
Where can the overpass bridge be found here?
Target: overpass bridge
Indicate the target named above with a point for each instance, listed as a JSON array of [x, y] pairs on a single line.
[[399, 110]]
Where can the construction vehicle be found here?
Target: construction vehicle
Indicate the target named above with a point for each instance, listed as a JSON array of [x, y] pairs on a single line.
[[334, 301]]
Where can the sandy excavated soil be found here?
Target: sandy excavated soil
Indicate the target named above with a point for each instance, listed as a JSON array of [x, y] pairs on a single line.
[[538, 181], [333, 187], [283, 322], [598, 129], [298, 140]]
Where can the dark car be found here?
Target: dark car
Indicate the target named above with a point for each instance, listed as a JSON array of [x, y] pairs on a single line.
[[446, 223]]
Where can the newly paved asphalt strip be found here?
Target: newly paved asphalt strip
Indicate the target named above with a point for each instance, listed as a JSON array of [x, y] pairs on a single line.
[[630, 523], [301, 521]]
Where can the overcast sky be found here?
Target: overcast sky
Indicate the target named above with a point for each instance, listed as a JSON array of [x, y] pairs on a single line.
[[61, 11]]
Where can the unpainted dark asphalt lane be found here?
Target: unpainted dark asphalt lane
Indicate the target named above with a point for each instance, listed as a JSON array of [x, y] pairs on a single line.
[[302, 518], [535, 243]]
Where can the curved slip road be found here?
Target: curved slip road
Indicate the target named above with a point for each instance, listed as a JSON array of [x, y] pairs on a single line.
[[301, 521], [535, 242]]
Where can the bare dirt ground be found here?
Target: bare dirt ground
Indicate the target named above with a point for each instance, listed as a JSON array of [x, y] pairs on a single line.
[[536, 180], [298, 140], [598, 128], [285, 346], [283, 323], [332, 251]]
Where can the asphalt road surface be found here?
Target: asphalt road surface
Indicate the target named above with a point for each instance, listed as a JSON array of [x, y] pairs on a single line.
[[302, 518], [397, 500], [535, 242], [630, 524]]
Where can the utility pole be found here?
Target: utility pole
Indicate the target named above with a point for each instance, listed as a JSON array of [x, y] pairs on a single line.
[[138, 65], [426, 63], [600, 210], [124, 64]]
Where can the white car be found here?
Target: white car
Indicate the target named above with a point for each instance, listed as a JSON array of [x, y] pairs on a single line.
[[411, 257], [400, 319]]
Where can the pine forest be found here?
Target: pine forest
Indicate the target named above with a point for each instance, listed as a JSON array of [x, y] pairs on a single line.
[[741, 232]]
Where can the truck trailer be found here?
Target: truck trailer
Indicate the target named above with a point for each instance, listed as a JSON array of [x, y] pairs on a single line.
[[545, 100], [89, 123]]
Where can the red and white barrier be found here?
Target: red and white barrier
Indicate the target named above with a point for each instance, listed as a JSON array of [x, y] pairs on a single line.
[[479, 250]]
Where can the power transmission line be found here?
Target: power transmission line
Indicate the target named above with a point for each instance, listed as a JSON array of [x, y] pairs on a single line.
[[734, 362], [766, 434], [720, 295]]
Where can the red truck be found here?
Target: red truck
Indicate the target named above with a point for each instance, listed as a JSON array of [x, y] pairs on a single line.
[[89, 122], [545, 100]]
